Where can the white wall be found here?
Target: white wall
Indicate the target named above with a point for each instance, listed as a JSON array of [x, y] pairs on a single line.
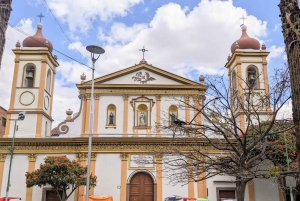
[[108, 172], [17, 178], [266, 190]]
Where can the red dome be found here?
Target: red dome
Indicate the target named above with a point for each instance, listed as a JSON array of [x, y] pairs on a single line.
[[245, 42], [37, 40]]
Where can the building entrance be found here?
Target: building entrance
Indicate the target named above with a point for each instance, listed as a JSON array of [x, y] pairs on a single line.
[[141, 187]]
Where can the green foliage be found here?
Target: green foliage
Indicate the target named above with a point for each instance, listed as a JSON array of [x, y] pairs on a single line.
[[61, 173], [280, 143]]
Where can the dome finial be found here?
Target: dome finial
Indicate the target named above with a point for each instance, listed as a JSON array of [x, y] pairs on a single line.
[[18, 45], [82, 77]]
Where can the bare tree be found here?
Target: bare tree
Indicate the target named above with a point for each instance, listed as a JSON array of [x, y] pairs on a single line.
[[5, 9], [223, 143], [290, 17]]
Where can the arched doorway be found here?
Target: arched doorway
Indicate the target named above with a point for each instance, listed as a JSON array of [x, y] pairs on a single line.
[[141, 187]]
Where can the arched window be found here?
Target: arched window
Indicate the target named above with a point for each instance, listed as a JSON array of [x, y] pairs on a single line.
[[233, 82], [173, 114], [111, 116], [29, 75], [48, 82], [142, 115], [252, 77]]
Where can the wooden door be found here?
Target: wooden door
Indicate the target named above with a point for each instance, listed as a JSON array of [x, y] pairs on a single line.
[[52, 196], [141, 187], [226, 194]]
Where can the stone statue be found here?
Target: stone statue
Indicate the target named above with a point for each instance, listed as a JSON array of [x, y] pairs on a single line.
[[111, 119]]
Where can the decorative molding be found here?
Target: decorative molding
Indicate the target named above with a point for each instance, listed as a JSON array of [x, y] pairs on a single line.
[[158, 157], [143, 79], [144, 67], [79, 146], [62, 128], [187, 97], [158, 97], [124, 156], [88, 96], [125, 96], [30, 102], [35, 52], [32, 157], [142, 99], [46, 102], [96, 96], [82, 156], [2, 157], [93, 156]]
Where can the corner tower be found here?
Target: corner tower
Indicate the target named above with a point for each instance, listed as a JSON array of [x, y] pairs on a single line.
[[32, 86], [247, 70]]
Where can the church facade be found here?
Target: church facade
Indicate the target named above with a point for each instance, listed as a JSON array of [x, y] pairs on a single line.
[[129, 107]]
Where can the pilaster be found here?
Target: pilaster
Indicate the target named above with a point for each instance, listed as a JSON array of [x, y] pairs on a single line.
[[125, 127], [124, 162], [158, 111], [93, 170], [96, 112], [82, 158], [31, 167], [159, 194], [2, 163]]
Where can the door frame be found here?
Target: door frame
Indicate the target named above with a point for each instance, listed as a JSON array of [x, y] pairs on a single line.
[[136, 172], [224, 188]]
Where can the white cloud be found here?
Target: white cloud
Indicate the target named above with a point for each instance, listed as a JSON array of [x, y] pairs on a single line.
[[7, 65], [80, 15], [180, 41], [276, 52]]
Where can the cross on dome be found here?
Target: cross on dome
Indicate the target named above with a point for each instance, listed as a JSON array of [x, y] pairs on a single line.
[[41, 16], [243, 18]]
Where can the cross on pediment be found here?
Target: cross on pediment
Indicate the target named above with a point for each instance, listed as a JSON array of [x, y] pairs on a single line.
[[143, 50]]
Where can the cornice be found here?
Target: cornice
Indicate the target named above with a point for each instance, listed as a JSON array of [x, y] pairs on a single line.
[[30, 111], [140, 86], [34, 52], [104, 145], [145, 91], [146, 67], [245, 53]]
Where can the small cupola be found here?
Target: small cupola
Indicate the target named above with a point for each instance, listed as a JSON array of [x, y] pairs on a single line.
[[38, 40], [245, 42]]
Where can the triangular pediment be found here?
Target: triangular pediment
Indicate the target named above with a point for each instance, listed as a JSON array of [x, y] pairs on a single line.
[[143, 74]]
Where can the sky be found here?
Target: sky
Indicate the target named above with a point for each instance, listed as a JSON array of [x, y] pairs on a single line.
[[186, 37]]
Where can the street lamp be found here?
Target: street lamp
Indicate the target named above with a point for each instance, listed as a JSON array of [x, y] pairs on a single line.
[[21, 117], [94, 50]]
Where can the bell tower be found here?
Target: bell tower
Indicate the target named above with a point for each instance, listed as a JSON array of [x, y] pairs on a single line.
[[247, 70], [32, 86]]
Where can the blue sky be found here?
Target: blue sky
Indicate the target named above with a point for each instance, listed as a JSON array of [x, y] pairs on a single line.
[[188, 38]]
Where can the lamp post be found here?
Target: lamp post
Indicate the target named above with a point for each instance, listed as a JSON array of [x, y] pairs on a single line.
[[21, 117], [94, 50]]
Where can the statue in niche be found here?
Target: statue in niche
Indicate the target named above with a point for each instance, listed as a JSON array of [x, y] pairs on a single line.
[[142, 119], [111, 119]]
